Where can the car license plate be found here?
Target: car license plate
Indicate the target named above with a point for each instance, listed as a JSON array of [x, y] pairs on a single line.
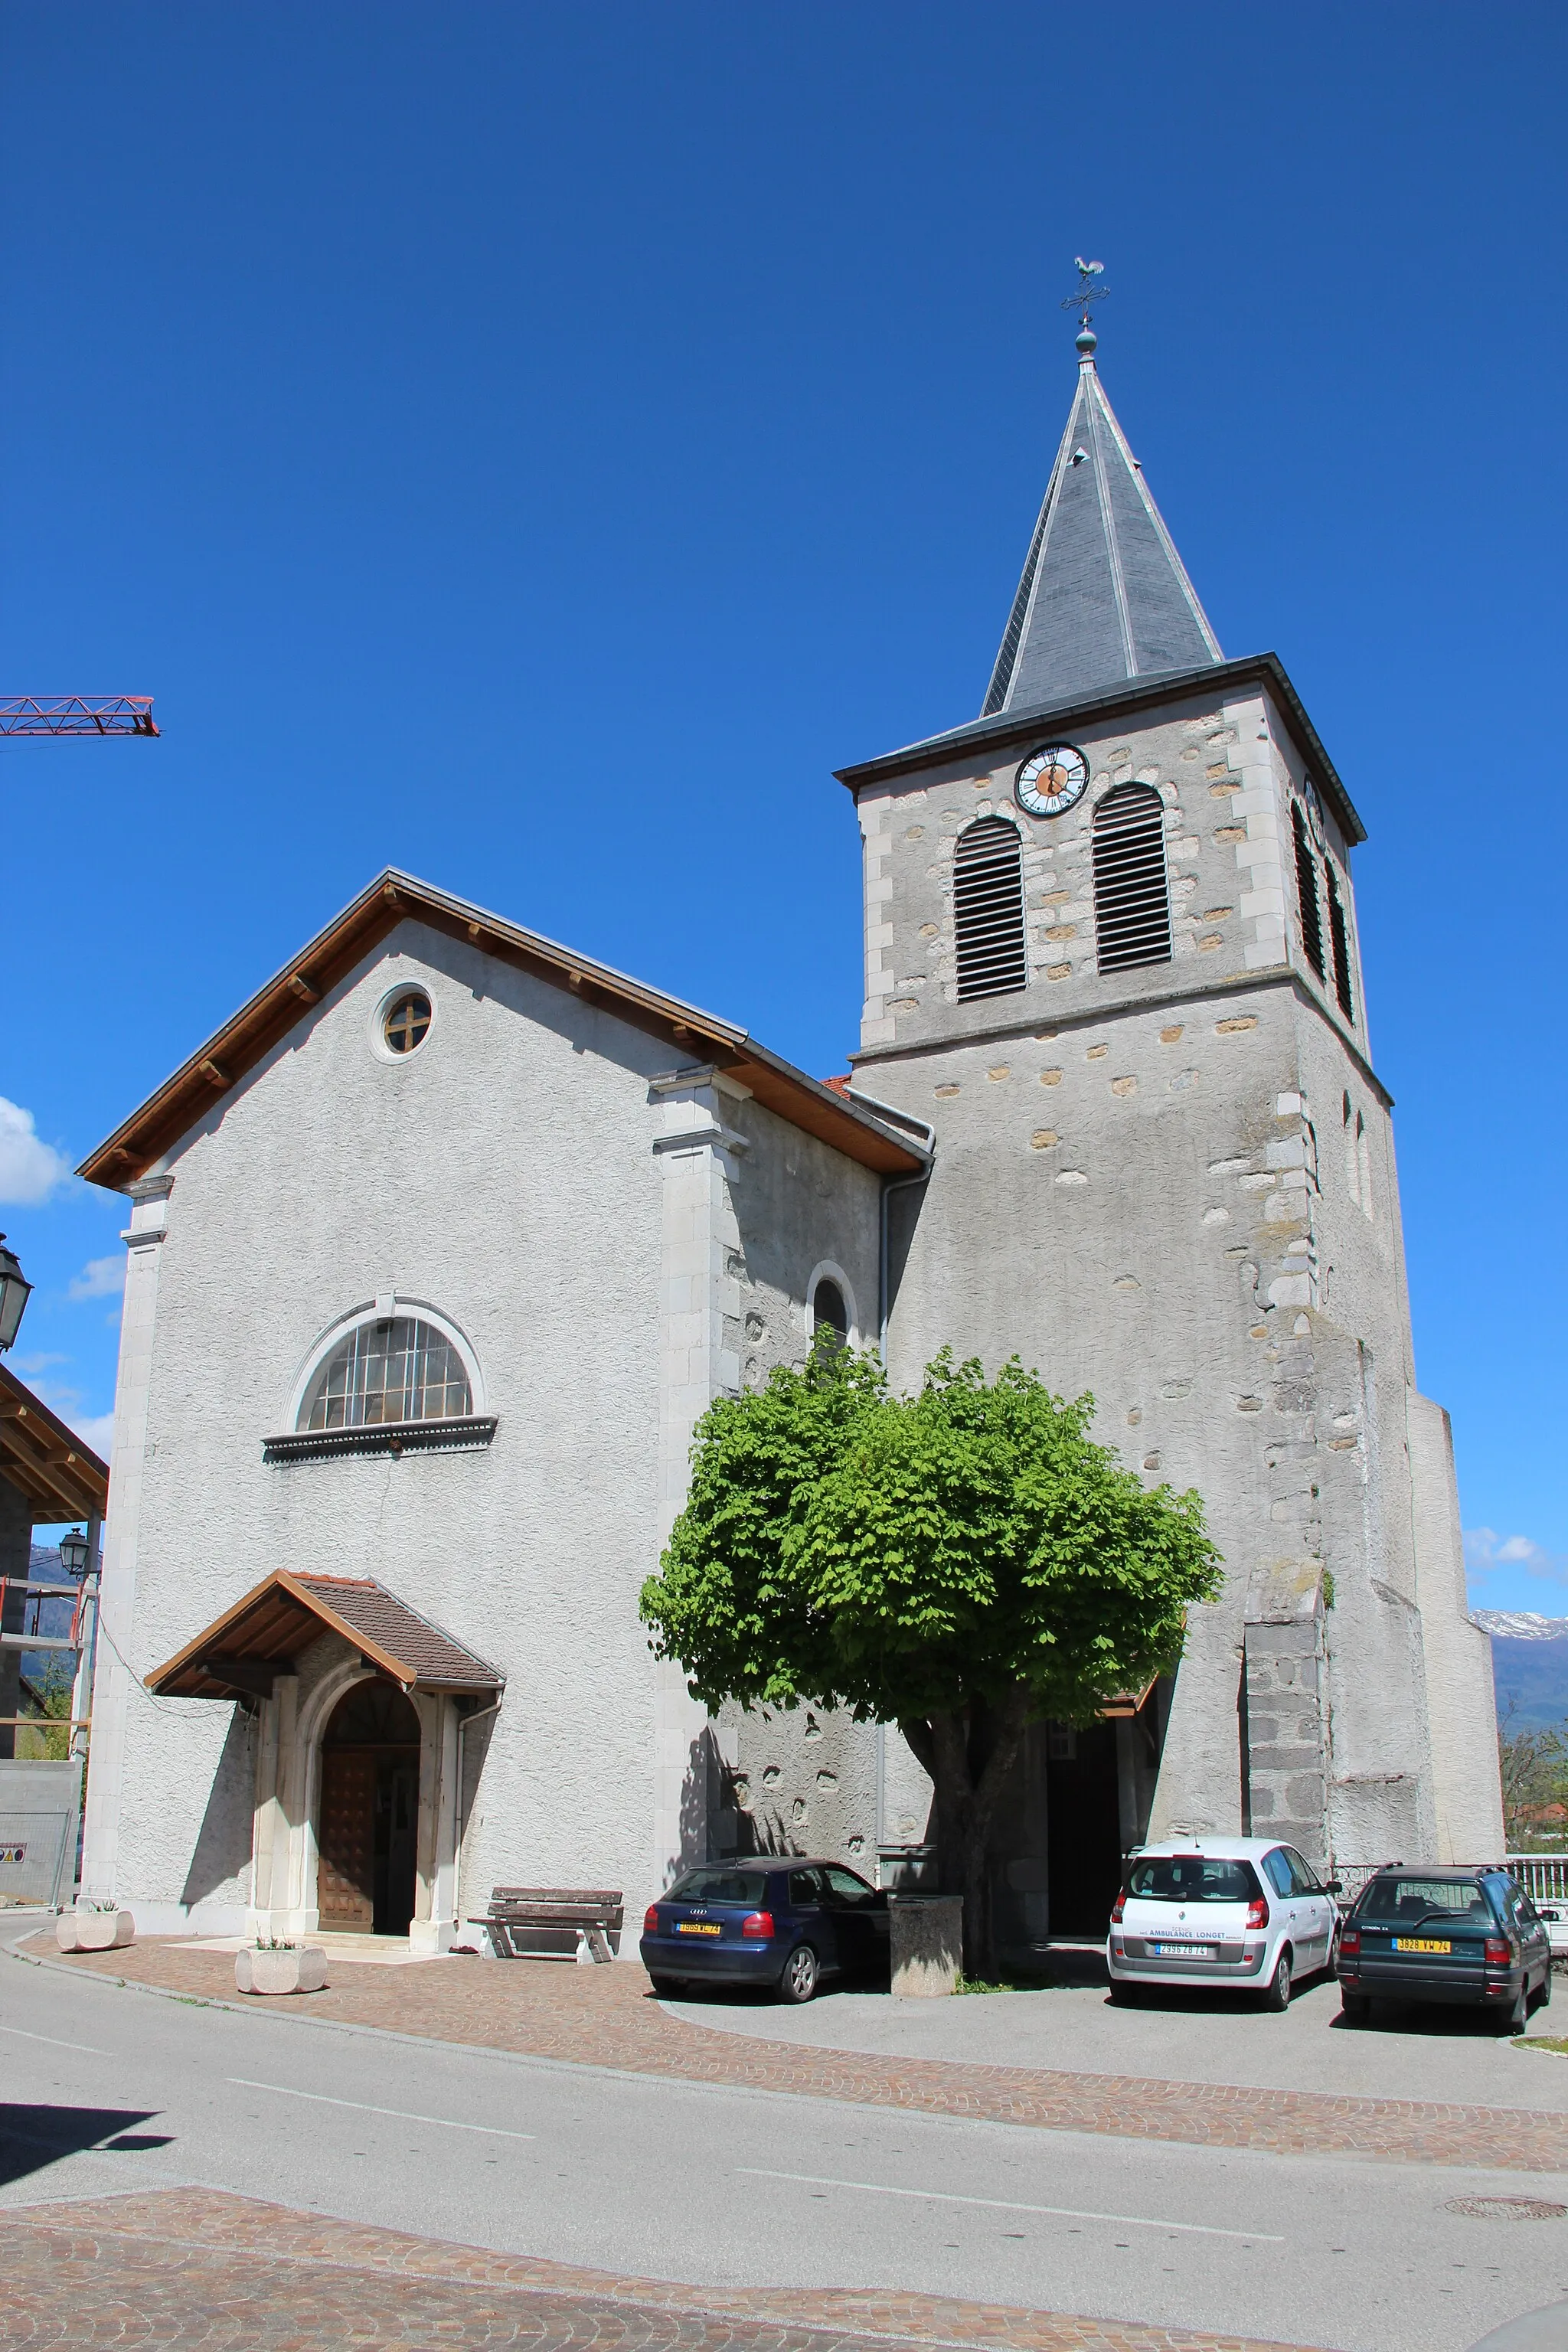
[[1420, 1944], [1185, 1952], [697, 1928]]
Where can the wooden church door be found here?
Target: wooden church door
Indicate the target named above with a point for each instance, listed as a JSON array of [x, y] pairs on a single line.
[[367, 1834]]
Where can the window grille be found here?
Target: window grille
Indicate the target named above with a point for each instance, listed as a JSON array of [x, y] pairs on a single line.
[[988, 908], [1307, 892], [1131, 893], [828, 1308], [1339, 940], [399, 1370]]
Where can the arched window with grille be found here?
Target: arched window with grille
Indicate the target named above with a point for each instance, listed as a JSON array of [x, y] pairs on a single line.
[[988, 908], [1131, 891], [397, 1368], [1307, 903]]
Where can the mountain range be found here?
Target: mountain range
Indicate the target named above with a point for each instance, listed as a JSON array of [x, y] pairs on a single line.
[[1529, 1667]]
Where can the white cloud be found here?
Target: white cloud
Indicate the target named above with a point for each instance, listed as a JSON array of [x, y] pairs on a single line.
[[1486, 1552], [30, 1169], [101, 1277], [96, 1429]]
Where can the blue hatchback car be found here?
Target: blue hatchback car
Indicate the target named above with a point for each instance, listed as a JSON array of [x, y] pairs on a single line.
[[784, 1924]]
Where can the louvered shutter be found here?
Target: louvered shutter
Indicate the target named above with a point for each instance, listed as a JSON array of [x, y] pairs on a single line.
[[988, 909], [1132, 895]]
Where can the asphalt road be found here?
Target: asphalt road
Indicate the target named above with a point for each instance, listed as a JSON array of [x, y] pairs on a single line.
[[109, 2090]]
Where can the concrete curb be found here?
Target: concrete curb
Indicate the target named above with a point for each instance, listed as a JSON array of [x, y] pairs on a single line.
[[1534, 2331]]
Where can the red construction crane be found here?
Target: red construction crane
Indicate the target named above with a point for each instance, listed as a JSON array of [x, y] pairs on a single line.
[[72, 714]]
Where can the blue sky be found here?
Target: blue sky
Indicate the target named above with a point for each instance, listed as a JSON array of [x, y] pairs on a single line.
[[534, 446]]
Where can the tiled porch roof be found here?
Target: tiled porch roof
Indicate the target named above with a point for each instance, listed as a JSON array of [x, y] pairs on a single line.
[[244, 1651]]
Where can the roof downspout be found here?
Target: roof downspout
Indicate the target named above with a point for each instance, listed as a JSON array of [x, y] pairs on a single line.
[[891, 1184]]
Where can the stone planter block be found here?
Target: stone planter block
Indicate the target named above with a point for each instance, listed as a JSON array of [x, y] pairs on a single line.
[[301, 1971], [94, 1931], [926, 1944]]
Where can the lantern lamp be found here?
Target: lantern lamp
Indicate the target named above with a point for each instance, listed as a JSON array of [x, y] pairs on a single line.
[[14, 1291]]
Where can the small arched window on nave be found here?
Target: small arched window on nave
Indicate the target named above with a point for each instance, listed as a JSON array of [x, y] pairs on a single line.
[[988, 908], [1131, 890], [396, 1369]]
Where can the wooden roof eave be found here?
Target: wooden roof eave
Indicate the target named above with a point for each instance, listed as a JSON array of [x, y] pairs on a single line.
[[210, 1640], [266, 1019], [44, 1458]]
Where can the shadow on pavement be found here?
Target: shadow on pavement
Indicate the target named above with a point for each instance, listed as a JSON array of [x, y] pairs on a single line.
[[33, 2135]]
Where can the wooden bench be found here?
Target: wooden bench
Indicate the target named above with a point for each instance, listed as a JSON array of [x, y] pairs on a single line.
[[545, 1922]]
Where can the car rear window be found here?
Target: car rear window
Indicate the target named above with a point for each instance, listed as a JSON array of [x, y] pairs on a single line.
[[1192, 1878], [1404, 1899], [747, 1887]]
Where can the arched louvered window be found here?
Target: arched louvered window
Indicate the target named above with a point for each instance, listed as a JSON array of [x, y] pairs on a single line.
[[1307, 903], [1339, 939], [1132, 894], [988, 908]]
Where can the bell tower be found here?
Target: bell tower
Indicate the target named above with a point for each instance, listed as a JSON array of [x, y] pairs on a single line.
[[1112, 955]]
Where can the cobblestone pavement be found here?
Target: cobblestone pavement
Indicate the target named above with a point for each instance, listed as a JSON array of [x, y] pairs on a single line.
[[197, 2268], [606, 2016]]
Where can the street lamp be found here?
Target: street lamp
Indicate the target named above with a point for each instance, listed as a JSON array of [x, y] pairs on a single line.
[[73, 1553], [14, 1292]]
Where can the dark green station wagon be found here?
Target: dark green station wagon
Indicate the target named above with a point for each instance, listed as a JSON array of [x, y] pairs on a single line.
[[1435, 1935]]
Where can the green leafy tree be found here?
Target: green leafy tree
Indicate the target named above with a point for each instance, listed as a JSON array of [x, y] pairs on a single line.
[[1533, 1761], [962, 1562]]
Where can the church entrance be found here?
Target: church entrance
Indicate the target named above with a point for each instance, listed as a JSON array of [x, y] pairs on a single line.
[[367, 1840], [1085, 1829]]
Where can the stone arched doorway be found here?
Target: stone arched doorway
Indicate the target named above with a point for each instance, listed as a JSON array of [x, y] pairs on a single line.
[[367, 1841]]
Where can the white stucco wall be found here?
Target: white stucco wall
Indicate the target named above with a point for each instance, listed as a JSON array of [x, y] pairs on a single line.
[[524, 1175]]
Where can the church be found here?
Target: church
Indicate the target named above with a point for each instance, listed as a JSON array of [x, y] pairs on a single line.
[[440, 1247]]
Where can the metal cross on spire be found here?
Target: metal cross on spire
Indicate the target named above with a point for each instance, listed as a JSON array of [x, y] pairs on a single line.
[[1089, 291]]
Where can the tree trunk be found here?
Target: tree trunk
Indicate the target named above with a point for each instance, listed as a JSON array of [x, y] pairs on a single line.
[[969, 1754]]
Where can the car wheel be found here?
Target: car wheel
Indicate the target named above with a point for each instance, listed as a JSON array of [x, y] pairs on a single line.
[[1545, 2000], [1354, 2008], [1516, 2016], [667, 1987], [798, 1981], [1280, 1985]]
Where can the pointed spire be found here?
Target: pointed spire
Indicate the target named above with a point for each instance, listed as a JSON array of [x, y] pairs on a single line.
[[1104, 596]]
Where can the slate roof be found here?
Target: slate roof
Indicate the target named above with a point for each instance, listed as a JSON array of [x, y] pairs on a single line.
[[264, 1633], [1104, 596], [991, 737]]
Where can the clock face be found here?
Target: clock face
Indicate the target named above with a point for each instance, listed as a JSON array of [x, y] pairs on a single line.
[[1052, 779]]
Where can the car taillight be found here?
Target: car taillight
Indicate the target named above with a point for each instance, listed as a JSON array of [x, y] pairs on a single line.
[[650, 1920], [1117, 1907], [758, 1926], [1497, 1953], [1257, 1912], [1350, 1939]]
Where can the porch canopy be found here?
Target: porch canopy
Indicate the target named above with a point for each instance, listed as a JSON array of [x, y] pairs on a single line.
[[241, 1653]]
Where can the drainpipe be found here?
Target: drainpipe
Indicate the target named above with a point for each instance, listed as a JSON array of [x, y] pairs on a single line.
[[477, 1716], [891, 1184]]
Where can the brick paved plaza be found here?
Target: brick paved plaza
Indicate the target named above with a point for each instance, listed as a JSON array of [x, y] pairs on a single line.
[[198, 2268], [606, 2017]]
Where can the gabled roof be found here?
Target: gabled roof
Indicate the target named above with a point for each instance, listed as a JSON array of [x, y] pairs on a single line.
[[1104, 596], [879, 1140], [263, 1634], [1027, 724], [45, 1459]]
